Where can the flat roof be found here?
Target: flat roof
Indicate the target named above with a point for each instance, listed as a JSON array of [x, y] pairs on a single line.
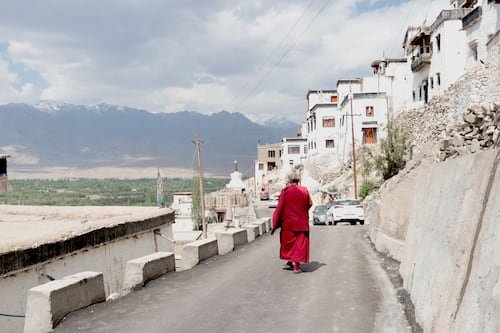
[[27, 227]]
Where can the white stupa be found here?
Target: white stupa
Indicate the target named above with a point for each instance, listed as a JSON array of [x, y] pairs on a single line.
[[236, 183]]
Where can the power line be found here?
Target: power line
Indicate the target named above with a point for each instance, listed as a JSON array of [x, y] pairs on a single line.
[[283, 55], [276, 48]]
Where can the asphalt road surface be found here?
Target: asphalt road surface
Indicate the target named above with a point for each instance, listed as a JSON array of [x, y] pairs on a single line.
[[342, 289]]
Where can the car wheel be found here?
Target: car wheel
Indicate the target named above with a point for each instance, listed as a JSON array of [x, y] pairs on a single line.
[[334, 223], [353, 223], [362, 222]]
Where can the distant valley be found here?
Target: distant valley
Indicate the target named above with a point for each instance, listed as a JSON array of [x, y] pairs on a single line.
[[75, 136]]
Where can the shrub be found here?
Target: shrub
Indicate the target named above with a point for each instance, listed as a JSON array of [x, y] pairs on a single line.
[[366, 188], [394, 149]]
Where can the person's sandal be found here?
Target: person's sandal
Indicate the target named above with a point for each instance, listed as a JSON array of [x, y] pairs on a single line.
[[288, 266]]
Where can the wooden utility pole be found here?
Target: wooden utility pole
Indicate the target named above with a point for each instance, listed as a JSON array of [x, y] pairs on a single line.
[[197, 142], [353, 152]]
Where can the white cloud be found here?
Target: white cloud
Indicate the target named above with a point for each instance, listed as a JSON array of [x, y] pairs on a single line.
[[202, 56]]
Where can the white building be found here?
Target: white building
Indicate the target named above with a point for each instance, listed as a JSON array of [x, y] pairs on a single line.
[[183, 207], [458, 38], [482, 28], [294, 152], [363, 114], [321, 121]]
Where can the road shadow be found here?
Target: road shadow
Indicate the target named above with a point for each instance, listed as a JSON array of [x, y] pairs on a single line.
[[311, 267]]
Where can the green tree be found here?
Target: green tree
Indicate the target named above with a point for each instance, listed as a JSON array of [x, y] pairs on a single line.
[[393, 150]]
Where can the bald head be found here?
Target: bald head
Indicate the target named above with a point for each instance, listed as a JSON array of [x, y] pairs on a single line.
[[294, 178]]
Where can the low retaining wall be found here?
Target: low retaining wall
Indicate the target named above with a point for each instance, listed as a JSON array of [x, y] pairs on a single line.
[[48, 303], [106, 249], [228, 240], [252, 231], [141, 270], [197, 251], [451, 248]]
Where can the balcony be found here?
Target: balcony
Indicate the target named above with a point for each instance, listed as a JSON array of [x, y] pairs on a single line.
[[421, 61], [472, 17]]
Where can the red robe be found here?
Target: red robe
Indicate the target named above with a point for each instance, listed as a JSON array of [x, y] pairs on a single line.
[[292, 215]]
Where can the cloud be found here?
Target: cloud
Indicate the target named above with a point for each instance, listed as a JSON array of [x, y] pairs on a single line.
[[167, 56]]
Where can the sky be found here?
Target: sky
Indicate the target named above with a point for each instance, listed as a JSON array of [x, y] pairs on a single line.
[[255, 57]]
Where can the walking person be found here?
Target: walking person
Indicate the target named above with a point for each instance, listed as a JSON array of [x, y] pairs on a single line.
[[292, 216]]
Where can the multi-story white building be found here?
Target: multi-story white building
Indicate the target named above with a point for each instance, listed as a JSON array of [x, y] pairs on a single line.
[[394, 77], [293, 153], [482, 28], [363, 114], [458, 38], [321, 121]]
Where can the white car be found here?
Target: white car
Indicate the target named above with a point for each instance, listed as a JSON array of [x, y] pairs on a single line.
[[273, 202], [346, 210]]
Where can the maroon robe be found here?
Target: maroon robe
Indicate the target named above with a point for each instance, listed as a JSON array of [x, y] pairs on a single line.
[[292, 215]]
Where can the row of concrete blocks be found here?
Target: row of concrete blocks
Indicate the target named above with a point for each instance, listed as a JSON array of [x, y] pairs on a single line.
[[48, 303]]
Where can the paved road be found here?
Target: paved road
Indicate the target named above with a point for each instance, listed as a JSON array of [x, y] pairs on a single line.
[[342, 290]]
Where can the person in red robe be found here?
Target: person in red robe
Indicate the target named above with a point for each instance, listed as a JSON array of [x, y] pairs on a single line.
[[292, 216]]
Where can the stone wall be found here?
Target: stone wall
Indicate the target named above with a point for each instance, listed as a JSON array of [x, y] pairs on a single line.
[[442, 265], [436, 120], [440, 219]]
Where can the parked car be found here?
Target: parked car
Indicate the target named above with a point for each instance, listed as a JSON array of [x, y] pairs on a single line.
[[346, 210], [319, 214], [273, 202], [264, 195]]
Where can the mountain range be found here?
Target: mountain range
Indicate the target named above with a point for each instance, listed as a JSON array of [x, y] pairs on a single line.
[[45, 135]]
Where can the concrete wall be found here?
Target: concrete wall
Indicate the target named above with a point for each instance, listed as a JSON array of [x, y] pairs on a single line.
[[110, 258], [446, 236]]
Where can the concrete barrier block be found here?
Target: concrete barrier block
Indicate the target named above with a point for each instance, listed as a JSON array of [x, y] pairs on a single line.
[[261, 225], [197, 251], [48, 303], [147, 268], [230, 239], [252, 231], [267, 223]]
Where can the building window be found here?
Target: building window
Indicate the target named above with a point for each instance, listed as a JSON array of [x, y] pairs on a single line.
[[369, 136], [431, 80], [305, 149], [330, 143], [293, 150], [271, 154], [333, 99], [369, 111], [271, 166], [438, 42], [438, 79], [261, 166], [291, 162], [328, 122], [419, 93], [473, 49], [413, 94]]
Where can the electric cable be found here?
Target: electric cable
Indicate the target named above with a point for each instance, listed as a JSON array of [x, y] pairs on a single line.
[[270, 55], [283, 55]]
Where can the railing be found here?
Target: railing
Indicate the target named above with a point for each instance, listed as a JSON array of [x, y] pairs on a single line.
[[472, 17], [421, 61]]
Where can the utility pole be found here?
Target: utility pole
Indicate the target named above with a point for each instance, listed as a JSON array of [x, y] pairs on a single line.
[[353, 151], [198, 142]]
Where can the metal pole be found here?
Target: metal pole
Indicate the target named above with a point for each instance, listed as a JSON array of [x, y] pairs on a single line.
[[198, 143], [353, 152]]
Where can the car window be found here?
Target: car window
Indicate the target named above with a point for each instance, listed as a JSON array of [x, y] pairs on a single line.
[[320, 209], [347, 202]]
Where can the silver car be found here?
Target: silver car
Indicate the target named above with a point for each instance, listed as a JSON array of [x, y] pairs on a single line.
[[346, 210], [319, 214]]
